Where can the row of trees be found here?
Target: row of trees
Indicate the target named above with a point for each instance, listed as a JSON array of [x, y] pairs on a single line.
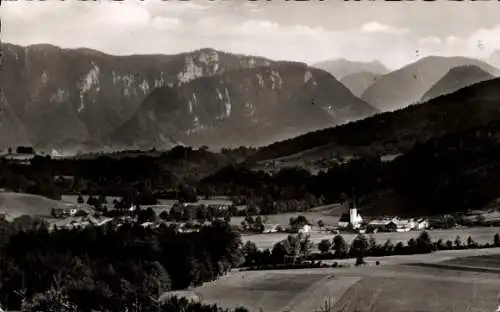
[[299, 248]]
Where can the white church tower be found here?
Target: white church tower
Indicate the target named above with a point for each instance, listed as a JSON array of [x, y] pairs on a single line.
[[354, 217], [351, 219]]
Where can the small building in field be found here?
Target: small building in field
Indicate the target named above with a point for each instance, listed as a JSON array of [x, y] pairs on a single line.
[[270, 228], [305, 229]]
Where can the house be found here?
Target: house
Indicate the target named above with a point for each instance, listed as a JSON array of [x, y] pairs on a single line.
[[305, 229], [381, 225], [270, 228], [58, 213], [344, 220], [402, 225], [422, 224]]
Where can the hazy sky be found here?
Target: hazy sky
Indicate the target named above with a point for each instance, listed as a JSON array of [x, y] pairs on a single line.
[[307, 31]]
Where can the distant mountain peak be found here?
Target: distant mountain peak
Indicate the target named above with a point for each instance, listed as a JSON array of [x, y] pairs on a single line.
[[342, 67], [457, 78], [407, 85]]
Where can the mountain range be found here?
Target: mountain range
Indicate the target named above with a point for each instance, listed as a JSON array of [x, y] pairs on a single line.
[[408, 84], [53, 97], [76, 99]]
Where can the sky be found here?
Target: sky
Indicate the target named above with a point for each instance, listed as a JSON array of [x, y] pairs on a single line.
[[305, 31]]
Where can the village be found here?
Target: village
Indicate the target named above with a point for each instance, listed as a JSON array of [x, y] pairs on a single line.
[[83, 214]]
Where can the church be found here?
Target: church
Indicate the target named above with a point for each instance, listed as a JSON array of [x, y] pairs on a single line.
[[351, 218]]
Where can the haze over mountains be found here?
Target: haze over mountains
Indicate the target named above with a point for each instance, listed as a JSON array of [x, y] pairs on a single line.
[[494, 58], [407, 85], [55, 97], [359, 82], [341, 68]]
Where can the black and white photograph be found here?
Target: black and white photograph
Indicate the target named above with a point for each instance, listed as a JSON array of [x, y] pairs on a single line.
[[250, 156]]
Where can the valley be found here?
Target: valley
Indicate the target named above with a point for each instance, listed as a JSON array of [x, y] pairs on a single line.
[[218, 156]]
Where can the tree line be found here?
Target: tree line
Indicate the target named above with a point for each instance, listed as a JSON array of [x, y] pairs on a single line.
[[448, 173], [108, 268]]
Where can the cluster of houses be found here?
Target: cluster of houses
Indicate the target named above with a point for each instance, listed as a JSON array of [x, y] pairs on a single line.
[[85, 221], [396, 224], [352, 221]]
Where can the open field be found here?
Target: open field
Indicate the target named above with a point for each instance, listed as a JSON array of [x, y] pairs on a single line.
[[330, 215], [274, 291], [483, 261], [388, 288], [478, 234], [18, 204], [391, 294]]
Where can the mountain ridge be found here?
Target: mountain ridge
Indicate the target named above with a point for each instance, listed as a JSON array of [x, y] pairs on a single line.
[[240, 95], [341, 67]]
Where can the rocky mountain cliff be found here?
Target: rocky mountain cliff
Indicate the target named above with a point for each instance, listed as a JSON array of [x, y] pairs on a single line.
[[407, 85], [457, 78], [359, 82], [53, 97], [341, 68], [242, 107], [76, 95]]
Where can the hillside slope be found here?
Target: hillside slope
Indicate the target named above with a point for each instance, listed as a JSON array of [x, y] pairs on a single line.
[[241, 107], [341, 68], [457, 78], [359, 82], [395, 132], [407, 85], [17, 204]]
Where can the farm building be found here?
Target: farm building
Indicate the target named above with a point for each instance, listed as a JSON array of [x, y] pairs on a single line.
[[271, 228]]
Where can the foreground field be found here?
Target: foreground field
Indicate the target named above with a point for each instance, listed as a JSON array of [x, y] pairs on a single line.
[[478, 234], [387, 288]]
